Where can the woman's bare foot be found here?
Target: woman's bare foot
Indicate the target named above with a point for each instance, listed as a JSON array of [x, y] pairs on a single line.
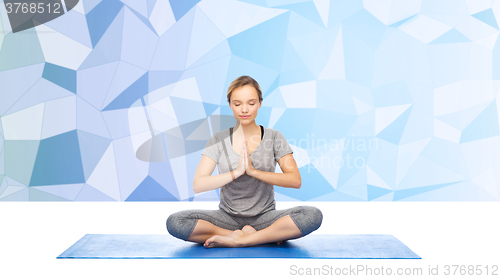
[[248, 229], [280, 242], [232, 240]]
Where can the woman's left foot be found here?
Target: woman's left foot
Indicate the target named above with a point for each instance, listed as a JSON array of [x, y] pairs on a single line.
[[235, 239], [247, 229]]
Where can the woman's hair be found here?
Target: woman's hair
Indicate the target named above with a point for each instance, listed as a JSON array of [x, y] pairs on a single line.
[[242, 81]]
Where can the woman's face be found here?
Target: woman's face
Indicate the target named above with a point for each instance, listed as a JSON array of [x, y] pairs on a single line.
[[245, 101]]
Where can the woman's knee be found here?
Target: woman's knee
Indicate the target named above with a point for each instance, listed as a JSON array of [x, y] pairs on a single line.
[[173, 223], [314, 217], [180, 225]]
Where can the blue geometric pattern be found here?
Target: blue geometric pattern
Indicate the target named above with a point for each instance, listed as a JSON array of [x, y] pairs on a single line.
[[380, 100]]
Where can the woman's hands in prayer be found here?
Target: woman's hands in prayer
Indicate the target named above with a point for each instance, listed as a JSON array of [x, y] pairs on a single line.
[[244, 163], [249, 167]]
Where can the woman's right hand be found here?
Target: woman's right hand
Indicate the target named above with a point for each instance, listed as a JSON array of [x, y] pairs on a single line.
[[242, 163]]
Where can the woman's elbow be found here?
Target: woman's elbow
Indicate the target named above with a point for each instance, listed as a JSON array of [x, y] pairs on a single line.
[[299, 183], [199, 184], [196, 188]]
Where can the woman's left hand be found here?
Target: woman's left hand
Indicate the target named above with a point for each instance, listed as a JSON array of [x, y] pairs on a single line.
[[249, 170]]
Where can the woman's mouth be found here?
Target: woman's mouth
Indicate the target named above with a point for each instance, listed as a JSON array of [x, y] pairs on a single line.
[[244, 116]]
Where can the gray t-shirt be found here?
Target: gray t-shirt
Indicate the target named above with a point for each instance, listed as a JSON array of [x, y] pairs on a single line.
[[247, 196]]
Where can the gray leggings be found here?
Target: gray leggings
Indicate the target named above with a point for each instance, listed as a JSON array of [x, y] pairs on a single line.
[[181, 224]]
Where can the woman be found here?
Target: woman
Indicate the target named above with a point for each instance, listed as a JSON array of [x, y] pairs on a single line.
[[246, 214]]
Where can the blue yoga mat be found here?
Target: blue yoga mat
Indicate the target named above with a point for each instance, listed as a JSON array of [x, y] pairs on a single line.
[[133, 246]]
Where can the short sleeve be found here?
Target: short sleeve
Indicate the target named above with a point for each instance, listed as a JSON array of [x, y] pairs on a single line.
[[212, 148], [281, 146]]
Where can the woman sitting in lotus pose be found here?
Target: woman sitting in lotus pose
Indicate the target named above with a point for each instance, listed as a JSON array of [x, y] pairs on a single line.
[[247, 215]]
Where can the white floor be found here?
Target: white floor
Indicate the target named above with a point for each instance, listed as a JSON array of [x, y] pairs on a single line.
[[33, 234]]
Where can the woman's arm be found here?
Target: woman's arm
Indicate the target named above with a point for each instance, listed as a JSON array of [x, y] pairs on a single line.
[[290, 178], [204, 181]]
